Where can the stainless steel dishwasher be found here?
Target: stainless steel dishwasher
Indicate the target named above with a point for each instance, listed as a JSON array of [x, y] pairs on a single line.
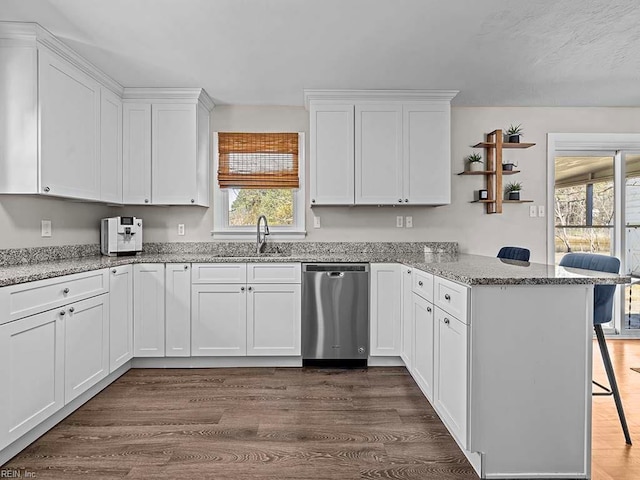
[[335, 314]]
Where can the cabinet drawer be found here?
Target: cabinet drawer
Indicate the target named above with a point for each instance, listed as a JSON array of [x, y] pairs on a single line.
[[18, 301], [273, 273], [422, 284], [451, 297], [219, 273]]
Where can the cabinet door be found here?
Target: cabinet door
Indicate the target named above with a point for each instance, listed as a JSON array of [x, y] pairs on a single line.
[[148, 310], [110, 147], [407, 317], [178, 314], [218, 320], [173, 154], [450, 373], [385, 313], [426, 154], [136, 153], [332, 155], [422, 371], [120, 316], [86, 345], [69, 130], [378, 154], [273, 319], [31, 373]]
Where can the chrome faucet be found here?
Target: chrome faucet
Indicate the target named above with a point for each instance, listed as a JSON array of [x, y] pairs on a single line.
[[262, 238]]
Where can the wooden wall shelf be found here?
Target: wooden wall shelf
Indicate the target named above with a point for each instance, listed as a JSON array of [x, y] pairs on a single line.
[[493, 146]]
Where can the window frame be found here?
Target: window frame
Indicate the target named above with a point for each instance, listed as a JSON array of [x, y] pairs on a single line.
[[221, 228]]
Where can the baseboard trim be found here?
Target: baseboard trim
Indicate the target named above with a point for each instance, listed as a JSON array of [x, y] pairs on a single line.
[[215, 362], [35, 433], [385, 362]]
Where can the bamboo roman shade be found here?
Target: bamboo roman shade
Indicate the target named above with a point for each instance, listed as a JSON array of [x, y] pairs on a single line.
[[258, 160]]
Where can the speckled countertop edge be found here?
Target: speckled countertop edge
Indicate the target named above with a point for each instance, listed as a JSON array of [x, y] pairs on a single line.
[[462, 268]]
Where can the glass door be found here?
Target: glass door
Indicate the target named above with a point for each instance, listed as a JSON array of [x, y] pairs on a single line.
[[630, 302]]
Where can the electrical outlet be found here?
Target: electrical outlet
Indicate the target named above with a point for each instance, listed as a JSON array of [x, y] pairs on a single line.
[[408, 222], [399, 221], [541, 210], [181, 229], [533, 211], [46, 228], [316, 222]]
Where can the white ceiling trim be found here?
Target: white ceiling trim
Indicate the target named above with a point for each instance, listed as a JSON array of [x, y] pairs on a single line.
[[444, 96]]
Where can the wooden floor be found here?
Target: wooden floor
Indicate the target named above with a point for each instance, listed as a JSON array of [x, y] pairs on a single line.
[[277, 423]]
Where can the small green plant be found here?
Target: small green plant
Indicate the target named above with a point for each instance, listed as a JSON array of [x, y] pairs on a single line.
[[513, 187], [474, 158], [515, 130]]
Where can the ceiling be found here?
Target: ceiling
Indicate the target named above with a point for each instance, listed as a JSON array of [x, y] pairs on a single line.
[[265, 52], [580, 170]]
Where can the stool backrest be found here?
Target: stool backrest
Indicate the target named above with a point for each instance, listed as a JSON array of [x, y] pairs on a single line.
[[514, 253], [602, 294]]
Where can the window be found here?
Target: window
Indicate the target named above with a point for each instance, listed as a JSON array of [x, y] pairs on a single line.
[[258, 174]]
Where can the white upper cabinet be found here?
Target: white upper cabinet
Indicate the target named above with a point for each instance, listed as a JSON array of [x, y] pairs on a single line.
[[69, 129], [110, 147], [378, 154], [393, 146], [166, 146], [137, 153], [332, 167]]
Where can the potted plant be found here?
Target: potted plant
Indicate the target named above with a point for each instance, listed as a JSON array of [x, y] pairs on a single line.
[[475, 162], [512, 190], [514, 132], [509, 166]]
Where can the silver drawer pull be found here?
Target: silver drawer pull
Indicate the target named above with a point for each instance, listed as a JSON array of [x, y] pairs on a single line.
[[447, 296], [242, 289], [408, 271], [186, 267], [420, 283], [250, 288], [62, 313], [65, 291], [428, 309], [446, 320], [71, 310], [114, 271]]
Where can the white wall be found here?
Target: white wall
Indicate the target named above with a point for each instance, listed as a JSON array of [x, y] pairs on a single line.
[[461, 221]]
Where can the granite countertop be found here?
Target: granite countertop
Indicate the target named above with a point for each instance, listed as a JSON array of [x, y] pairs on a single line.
[[462, 268]]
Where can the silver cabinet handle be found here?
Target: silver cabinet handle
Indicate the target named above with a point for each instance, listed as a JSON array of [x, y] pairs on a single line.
[[446, 321], [62, 313], [47, 189], [65, 291], [409, 271], [313, 200], [186, 267], [406, 200], [114, 271], [447, 296], [400, 200], [146, 200], [71, 310], [428, 309], [250, 288], [420, 283], [193, 201], [242, 289]]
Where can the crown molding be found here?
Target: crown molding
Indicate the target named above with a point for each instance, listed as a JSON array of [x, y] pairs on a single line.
[[313, 95], [166, 95]]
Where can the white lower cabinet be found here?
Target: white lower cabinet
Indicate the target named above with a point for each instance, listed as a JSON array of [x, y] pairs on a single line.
[[273, 319], [86, 344], [385, 322], [120, 316], [422, 366], [148, 310], [219, 320], [178, 310], [407, 353], [450, 373], [31, 373]]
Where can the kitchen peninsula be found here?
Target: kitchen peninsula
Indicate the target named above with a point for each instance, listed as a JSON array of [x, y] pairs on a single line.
[[501, 349]]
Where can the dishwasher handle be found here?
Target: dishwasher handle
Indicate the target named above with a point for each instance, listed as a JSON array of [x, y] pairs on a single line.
[[335, 274]]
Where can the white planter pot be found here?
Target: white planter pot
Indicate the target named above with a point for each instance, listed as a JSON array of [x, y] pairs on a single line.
[[476, 167]]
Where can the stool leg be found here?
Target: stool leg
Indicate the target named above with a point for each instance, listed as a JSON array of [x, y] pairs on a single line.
[[608, 366]]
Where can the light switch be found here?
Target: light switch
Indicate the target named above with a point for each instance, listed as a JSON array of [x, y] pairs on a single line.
[[541, 210], [181, 229], [533, 211], [408, 222], [316, 222], [46, 228], [399, 221]]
